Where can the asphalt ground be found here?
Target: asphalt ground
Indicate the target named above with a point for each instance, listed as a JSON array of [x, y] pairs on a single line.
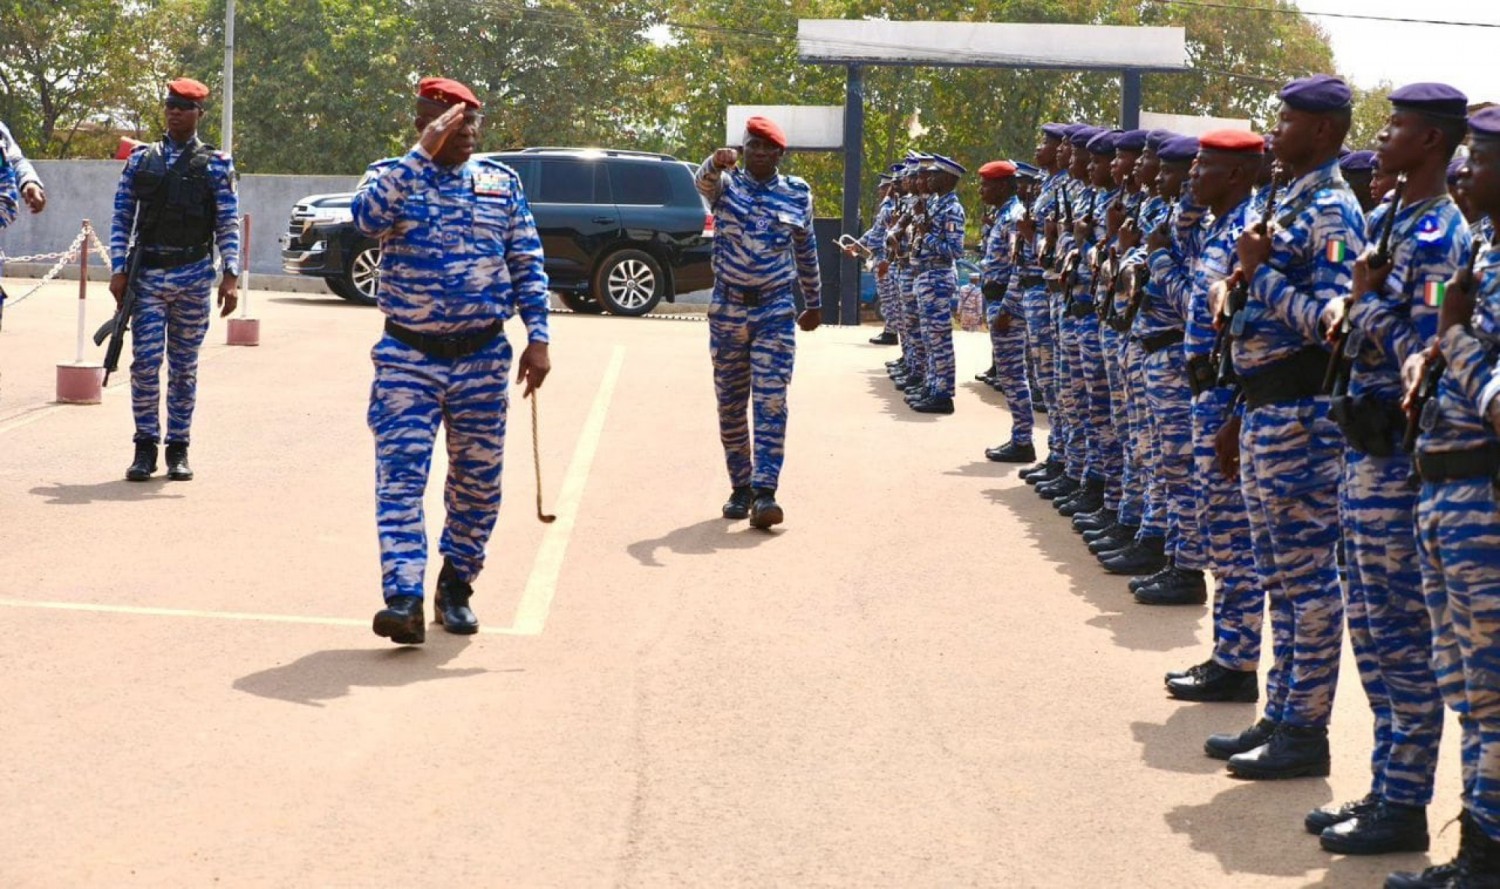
[[920, 680]]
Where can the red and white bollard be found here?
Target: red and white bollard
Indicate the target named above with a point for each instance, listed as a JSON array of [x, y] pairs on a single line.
[[244, 330], [81, 382]]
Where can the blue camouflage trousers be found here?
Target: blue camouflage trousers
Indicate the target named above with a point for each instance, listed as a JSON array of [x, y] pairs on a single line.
[[1140, 456], [170, 317], [1008, 351], [752, 348], [1170, 406], [1069, 394], [913, 341], [1239, 599], [1119, 413], [1290, 455], [1458, 537], [411, 394], [889, 294], [1104, 460], [1389, 628], [935, 288], [1041, 339]]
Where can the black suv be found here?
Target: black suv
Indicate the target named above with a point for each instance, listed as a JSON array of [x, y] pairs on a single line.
[[622, 230]]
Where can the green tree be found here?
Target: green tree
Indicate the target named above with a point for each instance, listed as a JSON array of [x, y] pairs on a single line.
[[1371, 110]]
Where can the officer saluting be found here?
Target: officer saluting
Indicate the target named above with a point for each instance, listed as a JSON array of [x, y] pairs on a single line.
[[460, 255], [763, 246], [178, 196]]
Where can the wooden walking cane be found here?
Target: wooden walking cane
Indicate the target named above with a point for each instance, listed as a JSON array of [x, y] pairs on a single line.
[[536, 460]]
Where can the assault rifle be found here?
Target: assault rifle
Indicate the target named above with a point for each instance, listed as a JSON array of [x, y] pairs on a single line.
[[1232, 318], [1420, 400], [114, 329], [1345, 345]]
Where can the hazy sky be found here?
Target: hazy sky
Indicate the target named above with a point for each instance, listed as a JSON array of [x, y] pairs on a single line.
[[1404, 52]]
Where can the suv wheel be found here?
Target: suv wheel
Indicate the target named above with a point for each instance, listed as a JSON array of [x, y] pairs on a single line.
[[629, 282], [581, 303], [361, 276]]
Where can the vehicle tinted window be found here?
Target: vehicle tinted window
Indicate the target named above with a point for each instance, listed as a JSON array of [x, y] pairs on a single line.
[[565, 181], [640, 184]]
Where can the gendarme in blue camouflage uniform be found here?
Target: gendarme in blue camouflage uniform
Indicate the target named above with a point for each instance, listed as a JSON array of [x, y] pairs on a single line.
[[178, 197], [764, 247], [1004, 310], [460, 256]]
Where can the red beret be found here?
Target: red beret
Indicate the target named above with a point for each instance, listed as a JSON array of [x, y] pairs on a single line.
[[997, 170], [1237, 141], [447, 92], [188, 88], [767, 129]]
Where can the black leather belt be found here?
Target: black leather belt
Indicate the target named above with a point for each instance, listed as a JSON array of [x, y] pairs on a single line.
[[1032, 281], [752, 296], [1451, 466], [1292, 379], [1081, 309], [448, 347], [171, 257], [1158, 341]]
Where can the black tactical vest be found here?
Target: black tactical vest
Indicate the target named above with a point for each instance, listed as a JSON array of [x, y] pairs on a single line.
[[177, 201]]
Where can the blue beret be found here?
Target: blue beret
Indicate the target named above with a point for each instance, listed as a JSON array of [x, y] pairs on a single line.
[[1082, 133], [1485, 124], [1438, 99], [1055, 130], [1178, 148], [944, 164], [1104, 143], [1453, 167], [1130, 140], [1027, 171], [1318, 93], [1155, 138], [885, 179], [1357, 161]]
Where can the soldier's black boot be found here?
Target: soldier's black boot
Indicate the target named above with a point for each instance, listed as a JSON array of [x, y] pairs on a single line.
[[1389, 828], [884, 338], [1061, 486], [1147, 555], [1216, 683], [1439, 876], [1194, 670], [1112, 539], [1086, 500], [738, 504], [1294, 751], [1226, 745], [401, 621], [1324, 817], [1481, 869], [178, 469], [1137, 583], [1043, 472], [765, 511], [1097, 520], [1010, 452], [451, 605], [144, 464], [1180, 586], [933, 404]]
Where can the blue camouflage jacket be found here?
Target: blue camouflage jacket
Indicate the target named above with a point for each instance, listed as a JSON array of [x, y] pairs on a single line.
[[763, 231]]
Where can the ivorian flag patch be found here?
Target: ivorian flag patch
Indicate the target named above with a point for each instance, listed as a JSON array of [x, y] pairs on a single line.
[[1337, 251], [1433, 293]]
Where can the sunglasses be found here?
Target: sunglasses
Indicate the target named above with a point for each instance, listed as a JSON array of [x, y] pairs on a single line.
[[182, 104]]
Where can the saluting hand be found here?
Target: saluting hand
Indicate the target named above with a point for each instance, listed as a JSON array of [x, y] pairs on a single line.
[[440, 128], [533, 368]]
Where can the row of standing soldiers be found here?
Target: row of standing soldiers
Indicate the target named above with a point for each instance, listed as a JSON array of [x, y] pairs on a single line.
[[1248, 376]]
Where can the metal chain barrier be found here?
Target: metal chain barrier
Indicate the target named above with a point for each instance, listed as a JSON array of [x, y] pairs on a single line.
[[63, 260]]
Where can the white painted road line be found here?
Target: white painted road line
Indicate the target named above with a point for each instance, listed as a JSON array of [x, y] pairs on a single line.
[[97, 608], [541, 586]]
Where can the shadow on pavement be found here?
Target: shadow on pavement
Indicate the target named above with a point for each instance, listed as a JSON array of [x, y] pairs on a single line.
[[893, 403], [702, 539], [327, 675], [118, 491], [1177, 744], [1137, 627], [988, 469]]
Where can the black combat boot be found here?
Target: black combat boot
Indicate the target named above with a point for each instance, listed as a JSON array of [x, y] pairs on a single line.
[[451, 608], [1097, 520], [1294, 751], [1324, 817], [738, 504], [145, 462], [1227, 745], [1481, 870], [933, 404], [1194, 670], [401, 620], [1136, 583], [1147, 555], [1010, 452], [765, 511], [178, 469], [1088, 500], [1061, 486], [1181, 586], [1439, 876], [1043, 472], [1216, 683], [884, 338], [1389, 828], [1116, 536]]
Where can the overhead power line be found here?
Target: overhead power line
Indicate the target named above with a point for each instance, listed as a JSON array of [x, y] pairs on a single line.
[[1330, 15]]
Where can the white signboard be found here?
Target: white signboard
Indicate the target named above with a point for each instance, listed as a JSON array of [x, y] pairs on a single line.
[[1188, 125], [991, 44], [807, 127]]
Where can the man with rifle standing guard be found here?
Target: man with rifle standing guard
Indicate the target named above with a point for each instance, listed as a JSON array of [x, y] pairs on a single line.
[[178, 197], [1030, 277], [1003, 305], [1421, 241], [1291, 448], [1458, 519]]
